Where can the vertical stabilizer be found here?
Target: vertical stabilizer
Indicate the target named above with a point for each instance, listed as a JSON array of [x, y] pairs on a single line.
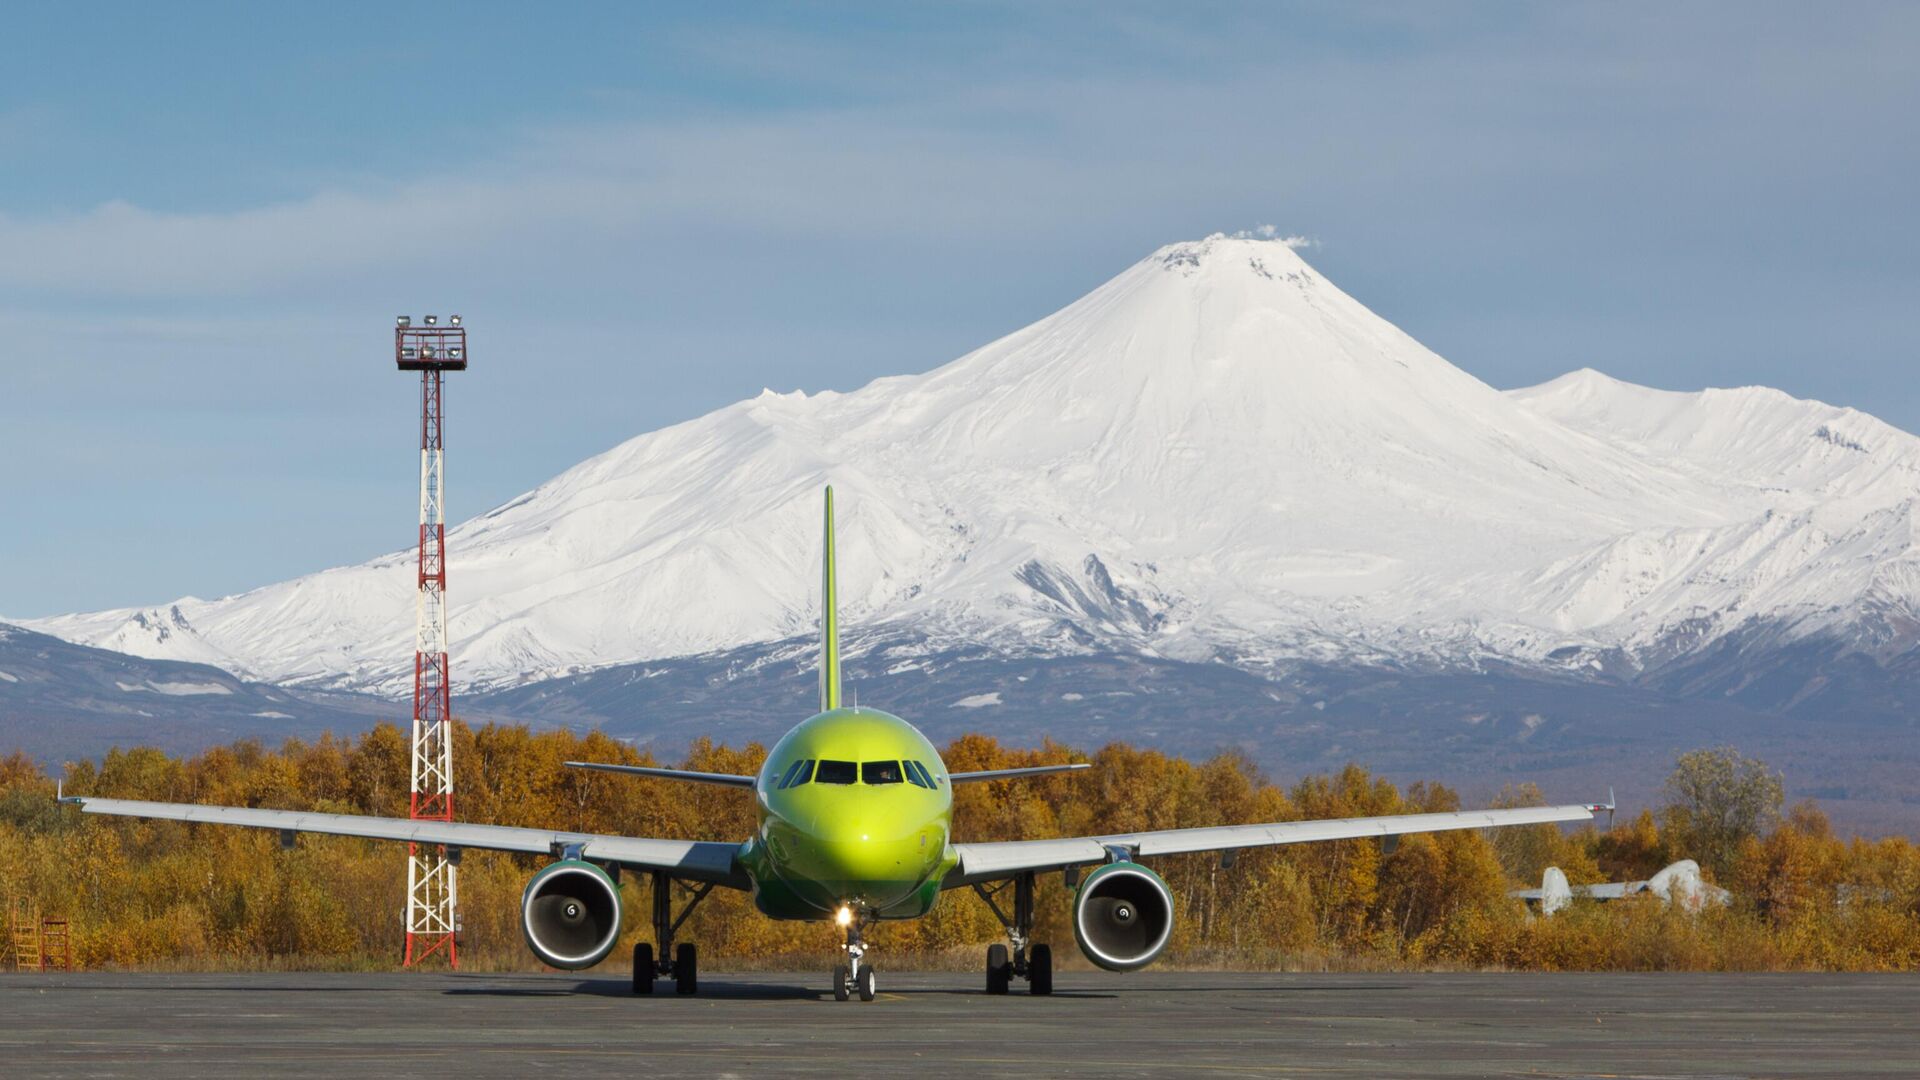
[[829, 620]]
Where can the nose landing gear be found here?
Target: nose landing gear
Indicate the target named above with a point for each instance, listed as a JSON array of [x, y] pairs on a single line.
[[1004, 965], [853, 977]]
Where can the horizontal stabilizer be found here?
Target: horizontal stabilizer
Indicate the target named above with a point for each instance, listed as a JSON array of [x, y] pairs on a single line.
[[1008, 774], [723, 779]]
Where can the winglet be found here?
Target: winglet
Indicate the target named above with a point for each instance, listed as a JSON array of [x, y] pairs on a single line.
[[1608, 806], [829, 620], [60, 792]]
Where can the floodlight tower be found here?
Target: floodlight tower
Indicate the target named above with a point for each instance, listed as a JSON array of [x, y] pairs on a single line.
[[432, 881]]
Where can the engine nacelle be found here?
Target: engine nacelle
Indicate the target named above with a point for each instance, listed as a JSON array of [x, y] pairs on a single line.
[[1122, 916], [571, 914]]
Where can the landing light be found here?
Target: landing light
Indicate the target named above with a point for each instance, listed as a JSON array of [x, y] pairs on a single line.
[[843, 917]]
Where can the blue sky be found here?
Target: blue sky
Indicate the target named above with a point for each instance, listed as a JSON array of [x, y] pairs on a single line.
[[210, 213]]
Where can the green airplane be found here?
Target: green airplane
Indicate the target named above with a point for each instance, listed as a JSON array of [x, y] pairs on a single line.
[[855, 813]]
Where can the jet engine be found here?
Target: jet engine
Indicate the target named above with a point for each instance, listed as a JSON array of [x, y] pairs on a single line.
[[571, 914], [1122, 916]]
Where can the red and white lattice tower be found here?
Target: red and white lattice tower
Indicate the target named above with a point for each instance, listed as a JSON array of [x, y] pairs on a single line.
[[433, 918]]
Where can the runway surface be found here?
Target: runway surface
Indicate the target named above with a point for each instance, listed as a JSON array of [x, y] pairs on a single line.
[[1096, 1024]]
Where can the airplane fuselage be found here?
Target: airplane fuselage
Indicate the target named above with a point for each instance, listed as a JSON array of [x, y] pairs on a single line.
[[855, 809]]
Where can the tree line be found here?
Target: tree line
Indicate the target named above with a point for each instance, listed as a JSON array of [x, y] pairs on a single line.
[[169, 894]]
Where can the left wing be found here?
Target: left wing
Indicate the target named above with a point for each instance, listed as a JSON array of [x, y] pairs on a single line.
[[694, 860], [991, 861], [1008, 774], [723, 779]]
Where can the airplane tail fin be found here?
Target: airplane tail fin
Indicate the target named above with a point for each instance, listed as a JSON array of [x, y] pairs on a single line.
[[1555, 893], [829, 620]]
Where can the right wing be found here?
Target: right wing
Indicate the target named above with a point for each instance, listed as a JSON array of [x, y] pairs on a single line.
[[992, 861], [693, 860]]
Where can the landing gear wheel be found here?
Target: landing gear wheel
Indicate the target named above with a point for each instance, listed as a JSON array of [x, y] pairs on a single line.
[[643, 969], [1031, 962], [840, 992], [1040, 971], [999, 969], [686, 968], [866, 984]]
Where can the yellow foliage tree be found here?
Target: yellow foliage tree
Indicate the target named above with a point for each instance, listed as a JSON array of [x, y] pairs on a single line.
[[168, 894]]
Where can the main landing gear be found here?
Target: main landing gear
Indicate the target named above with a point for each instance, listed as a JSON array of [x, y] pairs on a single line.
[[853, 977], [1003, 966], [684, 966]]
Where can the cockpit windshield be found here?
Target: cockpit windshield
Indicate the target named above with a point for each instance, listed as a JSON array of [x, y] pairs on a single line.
[[849, 772], [836, 772]]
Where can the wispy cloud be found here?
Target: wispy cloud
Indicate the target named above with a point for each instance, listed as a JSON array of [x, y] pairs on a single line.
[[557, 194], [1007, 162], [1272, 232]]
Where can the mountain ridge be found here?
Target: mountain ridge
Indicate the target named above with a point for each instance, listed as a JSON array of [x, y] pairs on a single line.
[[1216, 456]]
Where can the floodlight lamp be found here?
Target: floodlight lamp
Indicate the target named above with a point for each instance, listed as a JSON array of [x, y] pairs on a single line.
[[454, 353], [403, 321], [408, 352], [455, 320], [431, 319]]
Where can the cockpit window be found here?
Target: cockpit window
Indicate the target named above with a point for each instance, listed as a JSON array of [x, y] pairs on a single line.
[[880, 772], [836, 772], [913, 774], [798, 773], [793, 770]]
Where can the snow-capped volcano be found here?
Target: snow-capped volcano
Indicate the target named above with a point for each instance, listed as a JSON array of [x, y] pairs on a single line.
[[1215, 455]]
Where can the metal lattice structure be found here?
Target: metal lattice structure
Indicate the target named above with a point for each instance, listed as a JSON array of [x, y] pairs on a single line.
[[36, 943], [433, 890], [23, 932]]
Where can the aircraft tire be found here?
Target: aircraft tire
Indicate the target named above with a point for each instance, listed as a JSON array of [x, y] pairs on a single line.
[[1040, 971], [999, 969], [686, 968], [866, 984], [840, 983], [643, 972]]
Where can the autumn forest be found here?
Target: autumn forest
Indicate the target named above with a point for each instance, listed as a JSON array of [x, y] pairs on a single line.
[[144, 894]]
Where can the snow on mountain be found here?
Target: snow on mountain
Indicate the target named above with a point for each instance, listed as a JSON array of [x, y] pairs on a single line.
[[1826, 537], [1215, 455], [1805, 451]]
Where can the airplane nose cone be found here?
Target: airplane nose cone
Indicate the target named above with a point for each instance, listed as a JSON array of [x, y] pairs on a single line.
[[870, 851], [876, 859]]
